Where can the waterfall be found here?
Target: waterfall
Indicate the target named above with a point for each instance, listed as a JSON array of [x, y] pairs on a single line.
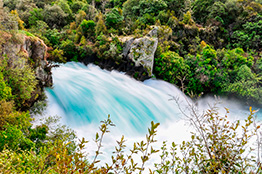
[[85, 95]]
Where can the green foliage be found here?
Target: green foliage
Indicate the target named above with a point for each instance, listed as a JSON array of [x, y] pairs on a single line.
[[40, 30], [130, 8], [54, 16], [58, 56], [117, 3], [21, 78], [80, 16], [88, 27], [233, 59], [100, 26], [179, 7], [53, 36], [216, 144], [38, 135], [69, 49], [11, 4], [90, 11], [187, 18], [103, 45], [209, 75], [76, 6], [200, 9], [250, 37], [218, 11], [137, 8], [5, 91], [114, 51], [22, 162], [8, 116], [36, 15], [67, 10], [170, 67], [14, 139], [164, 16], [114, 18], [247, 85], [147, 19]]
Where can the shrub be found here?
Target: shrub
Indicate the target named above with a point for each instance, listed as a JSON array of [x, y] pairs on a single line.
[[100, 26], [54, 16], [114, 18], [21, 78], [88, 28], [36, 15], [170, 67]]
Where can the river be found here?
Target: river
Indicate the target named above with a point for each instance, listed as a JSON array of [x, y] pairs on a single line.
[[85, 95]]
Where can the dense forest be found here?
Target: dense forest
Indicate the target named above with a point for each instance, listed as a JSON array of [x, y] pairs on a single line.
[[203, 47]]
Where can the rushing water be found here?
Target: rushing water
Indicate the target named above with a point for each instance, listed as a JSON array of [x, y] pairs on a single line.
[[85, 95]]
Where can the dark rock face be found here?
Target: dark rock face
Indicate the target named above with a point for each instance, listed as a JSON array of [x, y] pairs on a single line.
[[127, 46], [125, 65], [38, 54]]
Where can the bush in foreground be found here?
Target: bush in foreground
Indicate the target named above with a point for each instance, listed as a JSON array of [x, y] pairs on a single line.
[[217, 145]]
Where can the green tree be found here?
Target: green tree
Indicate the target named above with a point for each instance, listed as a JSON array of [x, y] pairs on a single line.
[[36, 15], [201, 9], [91, 11], [69, 49], [88, 28], [246, 85], [100, 26], [137, 8], [250, 37], [76, 6], [67, 10], [11, 4], [54, 16], [114, 18], [178, 6], [170, 67]]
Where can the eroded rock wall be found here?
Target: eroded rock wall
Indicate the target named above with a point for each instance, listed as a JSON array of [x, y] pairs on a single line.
[[27, 49]]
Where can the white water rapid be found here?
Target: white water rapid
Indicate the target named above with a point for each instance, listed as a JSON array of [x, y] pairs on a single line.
[[85, 95]]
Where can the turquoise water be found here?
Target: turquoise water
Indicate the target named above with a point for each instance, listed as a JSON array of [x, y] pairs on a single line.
[[85, 95]]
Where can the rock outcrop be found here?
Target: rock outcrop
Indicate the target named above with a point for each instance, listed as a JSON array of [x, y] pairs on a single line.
[[141, 50], [30, 48]]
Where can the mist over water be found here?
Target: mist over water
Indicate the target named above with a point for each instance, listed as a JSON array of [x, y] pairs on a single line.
[[85, 95]]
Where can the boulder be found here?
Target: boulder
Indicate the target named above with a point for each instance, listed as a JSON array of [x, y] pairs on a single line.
[[141, 50]]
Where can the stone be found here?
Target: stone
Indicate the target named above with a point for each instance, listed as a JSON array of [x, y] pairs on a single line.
[[142, 50], [127, 46], [153, 32]]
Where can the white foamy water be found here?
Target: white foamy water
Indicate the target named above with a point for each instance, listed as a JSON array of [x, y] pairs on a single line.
[[85, 95]]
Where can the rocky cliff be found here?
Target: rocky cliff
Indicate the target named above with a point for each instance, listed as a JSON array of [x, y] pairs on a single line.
[[22, 52], [19, 46]]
